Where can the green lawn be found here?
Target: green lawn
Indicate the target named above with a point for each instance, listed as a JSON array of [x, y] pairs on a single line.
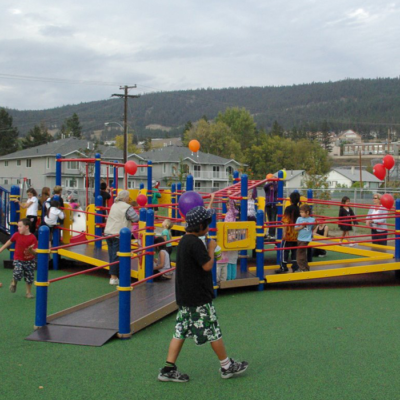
[[301, 344]]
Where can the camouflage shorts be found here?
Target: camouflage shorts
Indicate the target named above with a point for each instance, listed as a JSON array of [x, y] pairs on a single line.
[[199, 323], [24, 269]]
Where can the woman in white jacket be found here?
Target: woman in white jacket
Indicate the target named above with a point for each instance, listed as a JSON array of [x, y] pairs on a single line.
[[121, 215], [377, 223]]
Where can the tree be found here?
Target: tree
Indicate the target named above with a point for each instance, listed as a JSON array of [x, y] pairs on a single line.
[[147, 146], [326, 140], [119, 143], [276, 130], [73, 127], [214, 138], [186, 128], [36, 136], [241, 124], [8, 134]]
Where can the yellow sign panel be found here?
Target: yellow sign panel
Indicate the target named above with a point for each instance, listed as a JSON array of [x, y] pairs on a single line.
[[236, 235]]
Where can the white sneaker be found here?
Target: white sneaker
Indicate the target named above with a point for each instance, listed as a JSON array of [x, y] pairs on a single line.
[[114, 281]]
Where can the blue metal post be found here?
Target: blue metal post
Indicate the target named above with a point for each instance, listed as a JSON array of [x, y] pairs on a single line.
[[397, 226], [279, 217], [141, 186], [56, 240], [213, 235], [260, 247], [124, 288], [58, 169], [236, 177], [173, 200], [189, 182], [97, 174], [115, 183], [42, 277], [224, 207], [149, 182], [98, 231], [243, 217], [149, 258], [14, 215]]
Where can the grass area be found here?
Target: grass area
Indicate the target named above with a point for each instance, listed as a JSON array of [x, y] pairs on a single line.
[[301, 344]]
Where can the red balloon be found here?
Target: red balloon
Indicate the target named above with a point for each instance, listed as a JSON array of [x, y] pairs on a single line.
[[388, 161], [387, 201], [141, 200], [380, 171], [131, 167]]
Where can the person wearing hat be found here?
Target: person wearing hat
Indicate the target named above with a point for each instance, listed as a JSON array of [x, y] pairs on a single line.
[[121, 215], [194, 292]]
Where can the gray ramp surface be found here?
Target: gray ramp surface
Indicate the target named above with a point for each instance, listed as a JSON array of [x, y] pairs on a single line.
[[72, 335]]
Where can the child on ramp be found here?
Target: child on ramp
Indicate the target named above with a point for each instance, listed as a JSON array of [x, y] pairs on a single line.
[[24, 261], [194, 291], [304, 226]]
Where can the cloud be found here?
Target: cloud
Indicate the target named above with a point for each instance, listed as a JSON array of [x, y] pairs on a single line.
[[181, 44]]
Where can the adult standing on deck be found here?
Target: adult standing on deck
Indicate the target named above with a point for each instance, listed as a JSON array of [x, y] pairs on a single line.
[[377, 223], [121, 215]]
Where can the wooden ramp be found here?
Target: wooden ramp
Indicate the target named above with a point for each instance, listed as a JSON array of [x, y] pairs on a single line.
[[95, 322]]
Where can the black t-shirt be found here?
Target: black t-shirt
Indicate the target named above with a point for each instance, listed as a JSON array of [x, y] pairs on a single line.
[[105, 195], [193, 285]]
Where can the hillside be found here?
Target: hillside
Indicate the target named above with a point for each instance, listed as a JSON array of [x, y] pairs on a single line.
[[362, 105]]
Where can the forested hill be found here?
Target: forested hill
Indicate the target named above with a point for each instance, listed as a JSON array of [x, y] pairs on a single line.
[[363, 105]]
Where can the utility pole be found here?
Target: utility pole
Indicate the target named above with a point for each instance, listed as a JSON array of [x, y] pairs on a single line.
[[126, 96]]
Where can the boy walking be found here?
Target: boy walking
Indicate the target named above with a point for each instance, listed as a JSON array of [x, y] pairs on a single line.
[[304, 225], [24, 261], [196, 316]]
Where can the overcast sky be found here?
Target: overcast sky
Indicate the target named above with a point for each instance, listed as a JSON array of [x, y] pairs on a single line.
[[164, 45]]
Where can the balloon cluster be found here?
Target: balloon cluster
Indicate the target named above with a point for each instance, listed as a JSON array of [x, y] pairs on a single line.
[[380, 169]]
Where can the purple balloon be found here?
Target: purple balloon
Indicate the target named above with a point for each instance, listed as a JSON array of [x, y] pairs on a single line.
[[189, 200]]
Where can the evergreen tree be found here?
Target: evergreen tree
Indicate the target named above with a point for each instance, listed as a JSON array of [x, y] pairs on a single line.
[[147, 145], [276, 130], [36, 136], [326, 140], [8, 134], [73, 126]]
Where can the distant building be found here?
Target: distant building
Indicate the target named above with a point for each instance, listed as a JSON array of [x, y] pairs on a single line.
[[347, 177], [350, 136], [370, 148]]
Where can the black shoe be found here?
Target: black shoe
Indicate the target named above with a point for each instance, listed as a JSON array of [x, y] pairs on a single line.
[[172, 375], [281, 270], [235, 368], [295, 269]]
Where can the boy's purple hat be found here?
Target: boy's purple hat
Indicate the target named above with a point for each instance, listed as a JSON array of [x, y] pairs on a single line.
[[197, 215]]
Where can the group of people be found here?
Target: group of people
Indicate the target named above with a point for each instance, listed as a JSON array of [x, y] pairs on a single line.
[[299, 228], [51, 209]]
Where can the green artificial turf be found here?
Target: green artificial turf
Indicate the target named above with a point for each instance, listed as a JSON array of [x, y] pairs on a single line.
[[300, 344]]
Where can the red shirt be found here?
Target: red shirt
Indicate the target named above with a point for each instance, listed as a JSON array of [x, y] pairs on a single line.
[[22, 242]]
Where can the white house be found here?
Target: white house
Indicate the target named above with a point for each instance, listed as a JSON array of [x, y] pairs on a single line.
[[346, 178], [294, 178]]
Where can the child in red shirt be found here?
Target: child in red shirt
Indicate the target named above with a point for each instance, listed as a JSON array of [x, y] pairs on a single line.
[[24, 262]]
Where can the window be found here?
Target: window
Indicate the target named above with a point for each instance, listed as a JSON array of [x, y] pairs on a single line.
[[18, 181], [18, 162], [229, 171], [73, 165], [164, 167], [29, 182], [28, 163], [215, 184], [197, 185], [142, 170], [6, 163], [215, 172], [6, 181], [71, 183], [131, 184], [48, 163], [197, 170]]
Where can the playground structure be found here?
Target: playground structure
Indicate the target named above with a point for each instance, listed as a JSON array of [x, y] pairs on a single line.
[[150, 301]]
